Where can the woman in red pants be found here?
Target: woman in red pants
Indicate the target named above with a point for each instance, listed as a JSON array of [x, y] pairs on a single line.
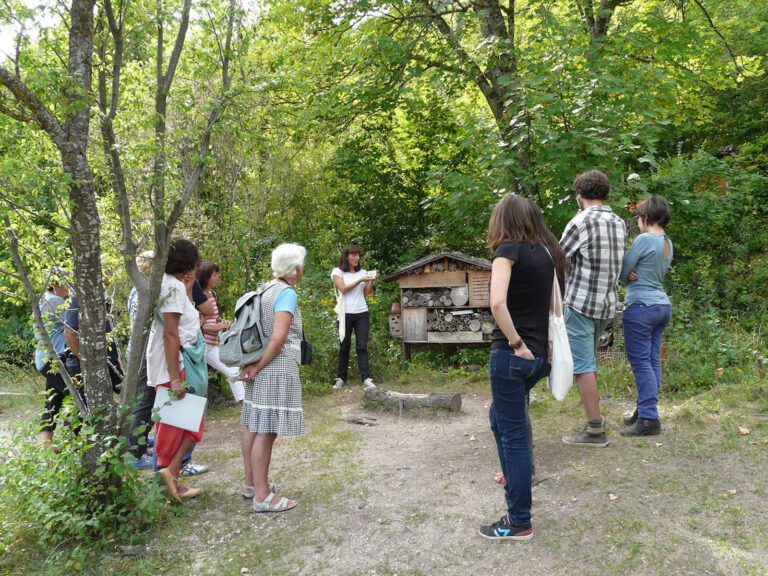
[[176, 324]]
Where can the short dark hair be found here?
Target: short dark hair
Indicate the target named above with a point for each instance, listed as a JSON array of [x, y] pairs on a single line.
[[592, 185], [204, 273], [344, 260], [513, 220], [655, 210], [183, 256]]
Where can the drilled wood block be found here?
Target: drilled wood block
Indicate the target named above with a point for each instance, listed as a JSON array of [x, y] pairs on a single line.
[[395, 325]]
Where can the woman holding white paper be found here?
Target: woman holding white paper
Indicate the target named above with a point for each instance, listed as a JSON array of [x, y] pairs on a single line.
[[176, 324], [353, 286], [272, 404]]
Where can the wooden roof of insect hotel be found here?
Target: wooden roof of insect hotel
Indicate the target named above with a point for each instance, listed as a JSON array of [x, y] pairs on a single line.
[[479, 263]]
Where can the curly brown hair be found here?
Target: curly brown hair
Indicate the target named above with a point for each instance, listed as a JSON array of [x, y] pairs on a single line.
[[592, 185], [183, 256]]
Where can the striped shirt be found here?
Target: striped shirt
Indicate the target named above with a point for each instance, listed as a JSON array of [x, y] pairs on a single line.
[[212, 338], [593, 242]]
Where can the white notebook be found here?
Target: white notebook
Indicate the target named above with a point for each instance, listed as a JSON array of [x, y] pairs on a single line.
[[186, 413]]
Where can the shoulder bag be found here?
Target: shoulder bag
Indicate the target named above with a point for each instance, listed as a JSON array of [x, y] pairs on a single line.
[[195, 366], [561, 374]]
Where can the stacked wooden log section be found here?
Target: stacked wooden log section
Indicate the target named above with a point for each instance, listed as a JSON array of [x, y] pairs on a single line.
[[461, 320]]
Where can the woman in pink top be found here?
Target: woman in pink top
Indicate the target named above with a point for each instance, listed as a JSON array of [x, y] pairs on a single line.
[[208, 276]]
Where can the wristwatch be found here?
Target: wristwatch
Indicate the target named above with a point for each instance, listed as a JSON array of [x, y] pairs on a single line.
[[517, 345]]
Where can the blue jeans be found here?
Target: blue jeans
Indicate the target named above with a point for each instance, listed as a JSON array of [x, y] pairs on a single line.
[[511, 379], [528, 429], [643, 329]]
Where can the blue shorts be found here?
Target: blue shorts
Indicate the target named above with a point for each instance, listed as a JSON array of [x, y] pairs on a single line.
[[583, 336]]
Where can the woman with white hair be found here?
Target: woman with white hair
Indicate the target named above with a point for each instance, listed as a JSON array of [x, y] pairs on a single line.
[[272, 404]]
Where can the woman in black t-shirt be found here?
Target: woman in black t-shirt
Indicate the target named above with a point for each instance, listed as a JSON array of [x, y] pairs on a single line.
[[550, 241], [521, 288]]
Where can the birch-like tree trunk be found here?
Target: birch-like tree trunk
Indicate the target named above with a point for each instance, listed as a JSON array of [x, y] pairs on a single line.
[[70, 136]]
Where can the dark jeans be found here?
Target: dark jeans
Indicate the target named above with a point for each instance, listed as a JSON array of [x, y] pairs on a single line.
[[361, 324], [511, 379], [643, 329], [142, 414], [528, 428]]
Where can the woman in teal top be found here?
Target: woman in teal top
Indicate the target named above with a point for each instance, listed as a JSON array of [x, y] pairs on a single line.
[[647, 311]]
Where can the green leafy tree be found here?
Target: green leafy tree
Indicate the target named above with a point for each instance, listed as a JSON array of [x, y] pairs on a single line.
[[144, 164]]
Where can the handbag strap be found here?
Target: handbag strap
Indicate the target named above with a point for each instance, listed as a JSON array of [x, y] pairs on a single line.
[[556, 301], [181, 348]]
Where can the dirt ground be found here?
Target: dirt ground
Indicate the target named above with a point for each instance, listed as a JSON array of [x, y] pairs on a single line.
[[384, 493], [405, 494]]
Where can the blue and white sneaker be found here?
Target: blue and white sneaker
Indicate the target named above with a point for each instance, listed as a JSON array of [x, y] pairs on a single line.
[[142, 463], [190, 469], [504, 530]]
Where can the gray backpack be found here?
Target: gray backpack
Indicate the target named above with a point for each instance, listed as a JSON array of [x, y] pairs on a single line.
[[245, 341]]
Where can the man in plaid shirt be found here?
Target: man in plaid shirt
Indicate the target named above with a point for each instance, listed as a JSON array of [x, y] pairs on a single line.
[[593, 242]]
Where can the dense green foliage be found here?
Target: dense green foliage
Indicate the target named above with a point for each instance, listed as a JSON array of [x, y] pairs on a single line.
[[49, 498], [365, 122]]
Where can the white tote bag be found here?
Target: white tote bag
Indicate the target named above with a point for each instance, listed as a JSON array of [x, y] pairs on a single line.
[[561, 376]]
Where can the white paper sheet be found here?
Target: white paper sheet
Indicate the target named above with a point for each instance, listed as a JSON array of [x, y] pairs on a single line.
[[186, 413]]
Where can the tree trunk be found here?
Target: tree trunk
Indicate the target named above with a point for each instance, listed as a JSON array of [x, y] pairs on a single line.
[[71, 141], [499, 80], [597, 20], [86, 226]]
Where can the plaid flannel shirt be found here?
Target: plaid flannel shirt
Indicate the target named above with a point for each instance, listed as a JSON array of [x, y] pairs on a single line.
[[593, 242]]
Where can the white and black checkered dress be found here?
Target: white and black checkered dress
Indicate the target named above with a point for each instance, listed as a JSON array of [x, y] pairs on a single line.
[[272, 402]]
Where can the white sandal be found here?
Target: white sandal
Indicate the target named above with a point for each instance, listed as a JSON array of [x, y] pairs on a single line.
[[282, 505], [249, 491]]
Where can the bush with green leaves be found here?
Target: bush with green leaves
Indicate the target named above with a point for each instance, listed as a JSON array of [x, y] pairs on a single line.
[[50, 505], [699, 343], [718, 229], [16, 342]]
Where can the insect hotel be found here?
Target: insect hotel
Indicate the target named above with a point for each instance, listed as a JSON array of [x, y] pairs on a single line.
[[444, 300]]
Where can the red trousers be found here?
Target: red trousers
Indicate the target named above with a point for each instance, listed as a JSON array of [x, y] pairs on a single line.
[[168, 438]]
